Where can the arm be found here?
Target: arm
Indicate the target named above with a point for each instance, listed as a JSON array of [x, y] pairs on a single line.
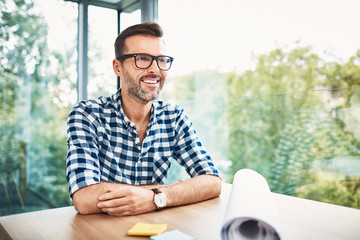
[[86, 199], [193, 190], [132, 200]]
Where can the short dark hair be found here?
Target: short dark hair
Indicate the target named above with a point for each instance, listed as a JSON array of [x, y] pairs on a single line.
[[147, 28]]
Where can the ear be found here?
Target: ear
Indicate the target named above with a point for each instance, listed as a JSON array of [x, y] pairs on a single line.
[[116, 67]]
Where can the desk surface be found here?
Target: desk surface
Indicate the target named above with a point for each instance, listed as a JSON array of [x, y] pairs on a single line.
[[299, 218]]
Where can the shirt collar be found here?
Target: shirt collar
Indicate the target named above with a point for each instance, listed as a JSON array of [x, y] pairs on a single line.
[[116, 98]]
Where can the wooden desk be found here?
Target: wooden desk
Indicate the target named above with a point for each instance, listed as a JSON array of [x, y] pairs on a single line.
[[299, 218]]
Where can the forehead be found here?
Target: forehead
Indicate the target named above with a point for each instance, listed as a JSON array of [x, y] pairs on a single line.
[[144, 44]]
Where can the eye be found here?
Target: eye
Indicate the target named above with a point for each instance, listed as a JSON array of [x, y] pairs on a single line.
[[162, 60], [143, 58]]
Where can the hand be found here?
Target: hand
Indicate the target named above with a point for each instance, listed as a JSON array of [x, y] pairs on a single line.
[[127, 200]]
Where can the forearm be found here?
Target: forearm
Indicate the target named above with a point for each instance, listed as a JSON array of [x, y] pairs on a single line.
[[200, 188], [193, 190], [86, 199], [160, 185]]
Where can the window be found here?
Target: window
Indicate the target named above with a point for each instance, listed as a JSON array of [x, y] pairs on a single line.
[[128, 19], [272, 86], [102, 80], [37, 89]]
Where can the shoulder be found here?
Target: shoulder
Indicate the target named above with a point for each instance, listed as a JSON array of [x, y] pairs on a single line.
[[92, 111], [167, 110], [172, 115], [93, 107]]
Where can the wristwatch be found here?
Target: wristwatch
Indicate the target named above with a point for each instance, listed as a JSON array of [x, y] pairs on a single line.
[[159, 198]]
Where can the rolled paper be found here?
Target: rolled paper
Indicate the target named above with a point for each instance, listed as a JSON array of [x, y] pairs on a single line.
[[251, 212]]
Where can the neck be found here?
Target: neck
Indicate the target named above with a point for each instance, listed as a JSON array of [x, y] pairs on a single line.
[[137, 111]]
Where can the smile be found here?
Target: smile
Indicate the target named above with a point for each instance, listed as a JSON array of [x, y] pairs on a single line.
[[151, 81]]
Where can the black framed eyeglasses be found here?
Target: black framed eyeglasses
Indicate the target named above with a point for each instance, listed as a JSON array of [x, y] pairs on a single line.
[[144, 60]]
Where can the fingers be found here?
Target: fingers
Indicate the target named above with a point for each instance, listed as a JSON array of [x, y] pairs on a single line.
[[116, 198], [126, 201], [114, 193], [121, 214], [123, 207], [118, 211], [116, 206], [111, 203]]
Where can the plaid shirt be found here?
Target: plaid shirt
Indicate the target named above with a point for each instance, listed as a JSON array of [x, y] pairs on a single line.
[[103, 145]]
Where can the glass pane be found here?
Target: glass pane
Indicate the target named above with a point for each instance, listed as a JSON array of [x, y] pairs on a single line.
[[37, 90], [305, 143], [102, 35], [128, 19], [266, 91]]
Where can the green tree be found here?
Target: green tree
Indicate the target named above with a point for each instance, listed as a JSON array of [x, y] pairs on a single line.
[[202, 95], [33, 112], [288, 113]]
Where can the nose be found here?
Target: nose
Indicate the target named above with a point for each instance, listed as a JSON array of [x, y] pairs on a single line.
[[153, 67]]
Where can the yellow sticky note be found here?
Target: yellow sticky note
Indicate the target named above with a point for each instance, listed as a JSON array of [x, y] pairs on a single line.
[[145, 229]]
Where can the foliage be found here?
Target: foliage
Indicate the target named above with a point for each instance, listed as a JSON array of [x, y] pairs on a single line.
[[292, 111], [33, 112], [202, 97], [308, 136], [331, 188], [289, 112]]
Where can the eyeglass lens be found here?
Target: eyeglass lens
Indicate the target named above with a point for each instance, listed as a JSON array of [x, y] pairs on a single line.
[[144, 61]]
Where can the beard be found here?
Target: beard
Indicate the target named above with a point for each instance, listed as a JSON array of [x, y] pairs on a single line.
[[134, 88]]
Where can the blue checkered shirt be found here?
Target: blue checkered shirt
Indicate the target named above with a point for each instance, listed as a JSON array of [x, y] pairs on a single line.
[[103, 145]]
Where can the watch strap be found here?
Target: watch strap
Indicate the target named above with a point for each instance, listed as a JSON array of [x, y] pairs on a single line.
[[156, 190]]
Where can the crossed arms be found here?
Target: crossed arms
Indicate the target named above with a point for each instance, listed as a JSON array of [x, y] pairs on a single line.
[[121, 199]]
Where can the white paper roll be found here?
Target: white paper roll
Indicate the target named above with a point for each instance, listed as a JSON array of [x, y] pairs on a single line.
[[251, 212]]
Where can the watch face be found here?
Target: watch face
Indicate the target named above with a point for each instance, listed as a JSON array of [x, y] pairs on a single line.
[[160, 200]]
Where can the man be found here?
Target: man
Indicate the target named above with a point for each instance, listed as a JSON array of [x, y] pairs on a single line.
[[120, 147]]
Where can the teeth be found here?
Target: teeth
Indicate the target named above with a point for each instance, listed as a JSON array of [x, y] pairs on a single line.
[[149, 81]]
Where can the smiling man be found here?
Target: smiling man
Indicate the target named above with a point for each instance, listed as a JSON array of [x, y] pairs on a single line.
[[120, 147]]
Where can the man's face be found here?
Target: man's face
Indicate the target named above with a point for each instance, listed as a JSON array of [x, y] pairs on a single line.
[[142, 84]]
